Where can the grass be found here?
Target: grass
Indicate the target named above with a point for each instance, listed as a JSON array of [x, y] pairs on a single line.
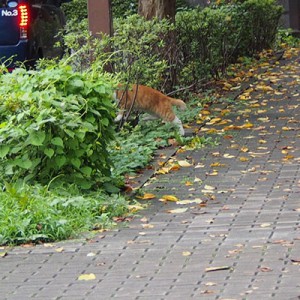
[[34, 214]]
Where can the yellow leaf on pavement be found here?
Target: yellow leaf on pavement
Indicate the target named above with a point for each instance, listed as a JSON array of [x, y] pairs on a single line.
[[247, 125], [186, 202], [244, 159], [146, 196], [59, 250], [169, 198], [184, 163], [244, 149], [177, 210], [87, 277]]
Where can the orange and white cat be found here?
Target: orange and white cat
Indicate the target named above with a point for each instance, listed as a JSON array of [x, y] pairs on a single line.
[[150, 101]]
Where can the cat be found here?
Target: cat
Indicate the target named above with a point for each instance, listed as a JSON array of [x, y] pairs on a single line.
[[150, 101]]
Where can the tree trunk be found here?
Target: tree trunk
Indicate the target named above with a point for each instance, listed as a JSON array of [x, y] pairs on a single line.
[[157, 8]]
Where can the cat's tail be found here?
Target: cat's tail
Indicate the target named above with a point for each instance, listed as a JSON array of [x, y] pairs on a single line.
[[179, 103]]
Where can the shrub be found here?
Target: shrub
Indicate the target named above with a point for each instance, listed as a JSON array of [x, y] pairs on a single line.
[[55, 124], [259, 21], [75, 10], [211, 38], [207, 41], [140, 47]]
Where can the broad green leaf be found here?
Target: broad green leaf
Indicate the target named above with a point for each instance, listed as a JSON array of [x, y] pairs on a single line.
[[25, 164], [60, 161], [105, 121], [49, 152], [57, 141], [76, 162], [86, 171], [4, 149], [36, 138], [69, 132], [77, 83]]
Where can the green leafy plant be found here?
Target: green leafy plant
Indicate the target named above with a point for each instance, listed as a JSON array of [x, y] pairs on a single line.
[[55, 126]]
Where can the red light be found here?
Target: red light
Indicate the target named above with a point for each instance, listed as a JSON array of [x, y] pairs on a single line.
[[23, 20]]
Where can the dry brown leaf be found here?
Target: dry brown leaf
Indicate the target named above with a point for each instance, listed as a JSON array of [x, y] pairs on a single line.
[[265, 269]]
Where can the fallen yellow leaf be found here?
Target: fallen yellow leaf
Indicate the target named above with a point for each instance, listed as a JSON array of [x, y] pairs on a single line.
[[213, 173], [87, 277], [177, 210], [169, 198], [3, 254], [146, 196], [247, 125], [184, 163], [59, 250], [244, 149], [244, 159], [264, 225], [148, 226], [185, 202]]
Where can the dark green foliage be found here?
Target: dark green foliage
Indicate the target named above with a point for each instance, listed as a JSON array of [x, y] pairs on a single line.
[[124, 8], [204, 43], [75, 10], [210, 39]]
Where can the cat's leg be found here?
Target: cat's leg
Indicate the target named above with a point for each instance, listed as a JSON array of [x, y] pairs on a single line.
[[119, 117], [178, 123], [148, 117]]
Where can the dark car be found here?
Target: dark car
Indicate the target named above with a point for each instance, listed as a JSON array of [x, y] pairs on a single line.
[[29, 30]]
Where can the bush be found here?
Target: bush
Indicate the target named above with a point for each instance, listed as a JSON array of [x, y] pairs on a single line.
[[210, 39], [259, 22], [75, 10], [140, 47], [207, 41], [55, 124]]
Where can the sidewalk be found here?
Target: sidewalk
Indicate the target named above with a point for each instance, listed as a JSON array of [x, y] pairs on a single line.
[[241, 242]]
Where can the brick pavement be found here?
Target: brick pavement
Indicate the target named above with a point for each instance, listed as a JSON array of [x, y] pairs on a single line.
[[249, 226]]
